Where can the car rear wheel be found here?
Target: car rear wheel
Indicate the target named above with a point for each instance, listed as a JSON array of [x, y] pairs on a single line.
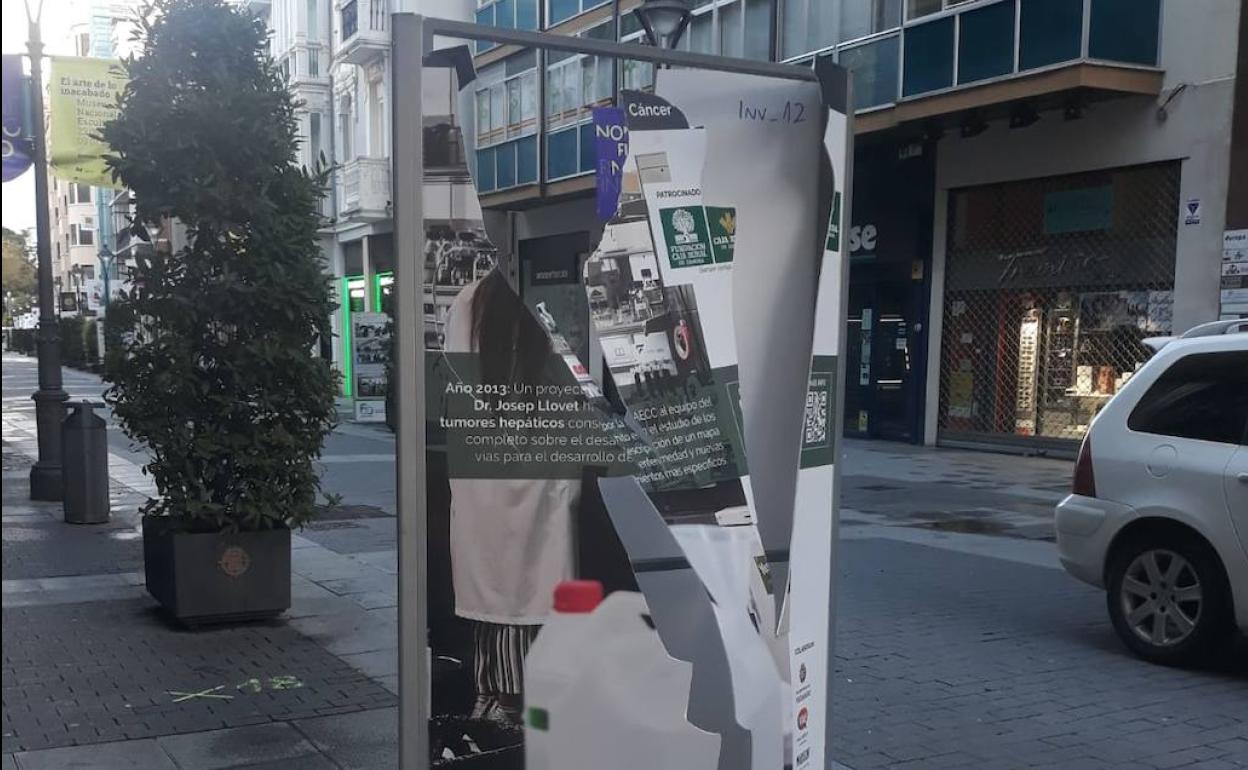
[[1167, 598]]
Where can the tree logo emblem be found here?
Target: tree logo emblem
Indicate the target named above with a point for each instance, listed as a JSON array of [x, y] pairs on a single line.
[[683, 221]]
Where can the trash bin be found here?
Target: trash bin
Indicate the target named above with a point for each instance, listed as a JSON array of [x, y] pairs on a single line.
[[84, 465], [461, 743]]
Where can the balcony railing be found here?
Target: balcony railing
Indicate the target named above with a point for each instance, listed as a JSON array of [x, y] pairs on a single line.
[[365, 189]]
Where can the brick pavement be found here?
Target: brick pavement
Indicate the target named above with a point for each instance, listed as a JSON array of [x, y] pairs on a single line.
[[956, 650], [952, 490], [960, 661]]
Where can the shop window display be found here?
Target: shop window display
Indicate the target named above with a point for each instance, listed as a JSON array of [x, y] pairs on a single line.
[[1052, 286]]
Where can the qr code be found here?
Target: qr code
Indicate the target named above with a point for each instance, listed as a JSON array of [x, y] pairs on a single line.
[[816, 417]]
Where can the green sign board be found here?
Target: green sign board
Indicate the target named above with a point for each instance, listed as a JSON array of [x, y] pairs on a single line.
[[834, 225], [723, 225], [1076, 211], [688, 242]]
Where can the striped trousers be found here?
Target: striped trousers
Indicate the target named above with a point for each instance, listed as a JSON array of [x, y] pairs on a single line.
[[498, 657]]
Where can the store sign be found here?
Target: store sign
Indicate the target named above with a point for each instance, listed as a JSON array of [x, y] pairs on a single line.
[[553, 269], [716, 448], [1074, 211], [18, 150], [1233, 294], [1192, 211], [863, 238]]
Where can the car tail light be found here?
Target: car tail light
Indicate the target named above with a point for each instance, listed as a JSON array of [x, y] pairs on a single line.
[[1085, 480]]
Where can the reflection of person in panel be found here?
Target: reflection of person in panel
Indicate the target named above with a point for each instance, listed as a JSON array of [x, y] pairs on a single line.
[[511, 539]]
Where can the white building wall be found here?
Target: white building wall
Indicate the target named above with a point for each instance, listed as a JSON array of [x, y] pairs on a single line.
[[1198, 54]]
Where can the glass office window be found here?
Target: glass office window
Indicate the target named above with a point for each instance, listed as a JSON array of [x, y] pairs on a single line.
[[637, 75], [699, 36], [1050, 32], [506, 114], [595, 80], [514, 112], [561, 10], [821, 24], [485, 170], [629, 25], [929, 57], [793, 28], [505, 165], [561, 153], [563, 90], [588, 162], [526, 14], [485, 16], [1125, 30], [483, 112], [758, 25], [505, 14], [731, 35], [917, 8], [526, 160], [528, 96], [860, 18], [986, 42], [873, 67], [498, 108]]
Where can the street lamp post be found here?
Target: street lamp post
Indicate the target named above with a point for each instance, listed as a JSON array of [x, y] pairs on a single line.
[[664, 21], [50, 398], [106, 259]]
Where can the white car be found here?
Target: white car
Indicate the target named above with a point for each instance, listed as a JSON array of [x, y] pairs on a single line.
[[1158, 514]]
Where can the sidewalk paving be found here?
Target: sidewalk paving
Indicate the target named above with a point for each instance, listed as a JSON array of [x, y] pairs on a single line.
[[95, 678], [960, 641]]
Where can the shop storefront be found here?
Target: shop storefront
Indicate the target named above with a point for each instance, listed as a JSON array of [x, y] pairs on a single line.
[[1051, 285], [889, 286]]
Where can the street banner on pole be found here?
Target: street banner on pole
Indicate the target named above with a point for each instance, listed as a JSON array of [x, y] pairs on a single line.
[[82, 97], [611, 145], [18, 153]]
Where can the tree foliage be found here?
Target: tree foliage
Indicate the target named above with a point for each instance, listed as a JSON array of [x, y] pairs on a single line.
[[20, 276], [219, 378]]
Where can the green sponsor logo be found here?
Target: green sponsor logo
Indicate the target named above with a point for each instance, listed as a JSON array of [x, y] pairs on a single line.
[[684, 230], [538, 718], [834, 224], [723, 225]]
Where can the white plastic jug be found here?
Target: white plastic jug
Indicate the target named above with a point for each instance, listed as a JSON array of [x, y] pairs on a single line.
[[601, 691]]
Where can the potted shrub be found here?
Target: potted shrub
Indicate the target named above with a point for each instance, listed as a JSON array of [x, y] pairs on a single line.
[[216, 374]]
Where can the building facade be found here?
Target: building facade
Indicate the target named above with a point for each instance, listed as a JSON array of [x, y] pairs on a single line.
[[336, 56], [1039, 184]]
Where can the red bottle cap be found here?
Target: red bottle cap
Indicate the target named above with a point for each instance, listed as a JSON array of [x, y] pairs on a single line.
[[578, 596]]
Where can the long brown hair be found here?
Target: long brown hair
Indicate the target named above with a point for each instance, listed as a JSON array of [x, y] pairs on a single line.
[[511, 345]]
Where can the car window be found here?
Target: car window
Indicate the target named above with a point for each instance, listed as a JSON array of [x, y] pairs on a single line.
[[1201, 396]]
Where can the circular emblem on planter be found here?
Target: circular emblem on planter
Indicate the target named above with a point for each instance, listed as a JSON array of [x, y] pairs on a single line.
[[234, 561]]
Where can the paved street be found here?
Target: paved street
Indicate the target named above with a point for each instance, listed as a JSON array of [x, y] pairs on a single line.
[[961, 644]]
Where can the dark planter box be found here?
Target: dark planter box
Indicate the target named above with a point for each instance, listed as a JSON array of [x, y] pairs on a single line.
[[216, 577]]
